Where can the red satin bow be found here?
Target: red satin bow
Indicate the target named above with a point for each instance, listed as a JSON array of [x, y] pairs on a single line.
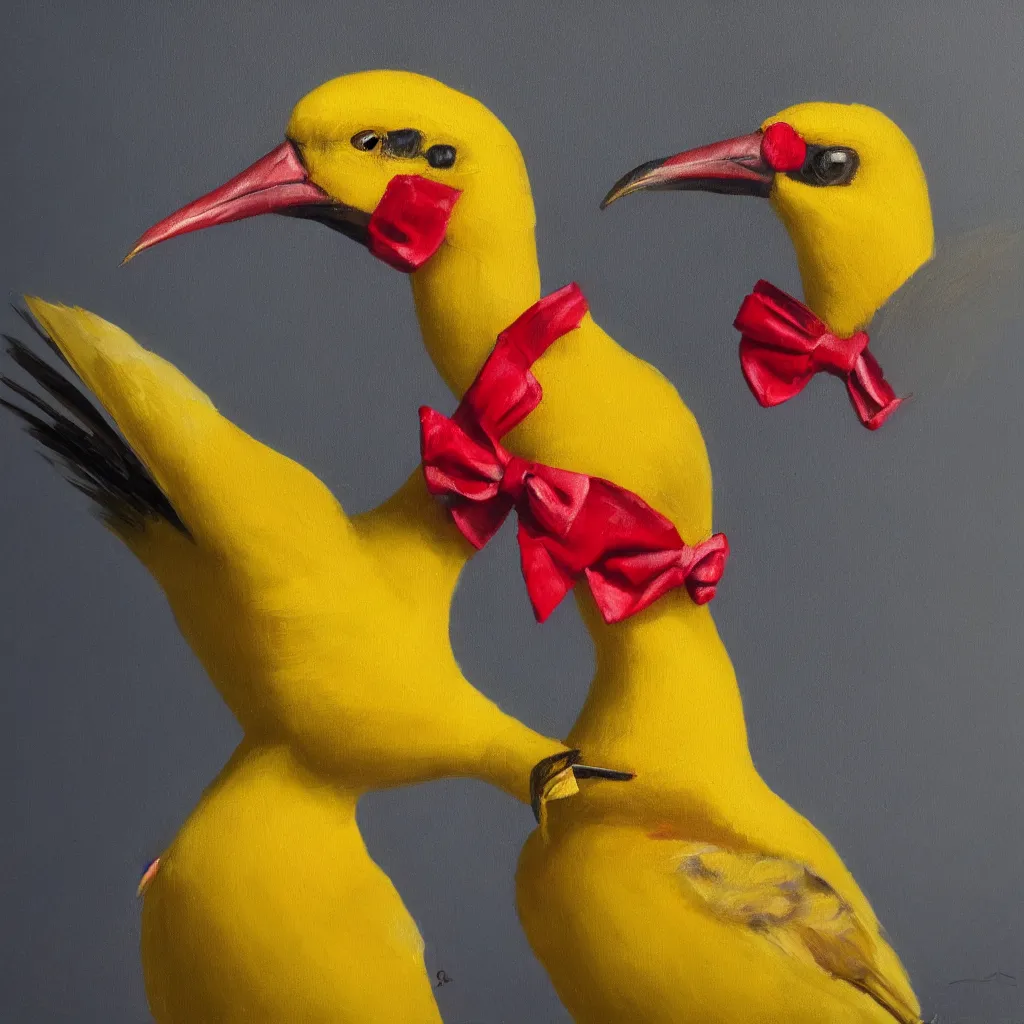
[[410, 221], [784, 345], [570, 524]]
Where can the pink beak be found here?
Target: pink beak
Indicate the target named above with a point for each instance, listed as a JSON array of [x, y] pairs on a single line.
[[734, 167], [277, 183]]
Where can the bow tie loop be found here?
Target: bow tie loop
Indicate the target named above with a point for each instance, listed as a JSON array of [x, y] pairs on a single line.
[[466, 474], [623, 585], [454, 463]]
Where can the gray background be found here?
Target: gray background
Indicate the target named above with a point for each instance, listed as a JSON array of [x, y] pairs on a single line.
[[872, 604]]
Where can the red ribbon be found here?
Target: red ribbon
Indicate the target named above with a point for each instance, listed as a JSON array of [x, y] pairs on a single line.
[[410, 221], [570, 525], [784, 345]]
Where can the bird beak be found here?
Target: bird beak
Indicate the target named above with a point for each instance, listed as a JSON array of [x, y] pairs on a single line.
[[733, 167], [276, 183]]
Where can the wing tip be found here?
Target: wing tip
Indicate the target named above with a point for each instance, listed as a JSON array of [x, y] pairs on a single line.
[[92, 454]]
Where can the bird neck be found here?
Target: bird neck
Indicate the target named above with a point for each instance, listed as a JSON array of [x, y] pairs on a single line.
[[847, 299], [465, 297], [664, 701], [849, 268]]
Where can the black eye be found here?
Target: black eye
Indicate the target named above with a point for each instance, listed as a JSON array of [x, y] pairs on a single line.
[[828, 165], [404, 142], [441, 156], [365, 140]]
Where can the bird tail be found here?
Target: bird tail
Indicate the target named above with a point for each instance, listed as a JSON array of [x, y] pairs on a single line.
[[57, 411]]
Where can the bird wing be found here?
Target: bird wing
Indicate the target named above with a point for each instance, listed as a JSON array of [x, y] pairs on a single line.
[[169, 454], [929, 335], [790, 906]]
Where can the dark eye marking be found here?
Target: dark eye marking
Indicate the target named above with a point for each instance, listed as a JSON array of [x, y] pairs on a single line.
[[404, 142], [365, 140], [441, 156], [828, 165]]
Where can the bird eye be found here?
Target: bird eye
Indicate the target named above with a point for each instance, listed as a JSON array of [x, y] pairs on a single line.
[[828, 165], [365, 140], [441, 156], [403, 142]]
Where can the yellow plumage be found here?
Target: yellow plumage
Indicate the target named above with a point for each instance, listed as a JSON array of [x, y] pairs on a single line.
[[328, 639], [855, 244], [267, 907], [626, 932]]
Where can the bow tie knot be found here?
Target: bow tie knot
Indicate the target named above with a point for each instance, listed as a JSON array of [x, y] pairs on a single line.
[[551, 497], [516, 476], [839, 356], [705, 571]]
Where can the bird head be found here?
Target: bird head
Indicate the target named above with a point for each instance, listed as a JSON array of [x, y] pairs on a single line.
[[394, 160], [846, 183]]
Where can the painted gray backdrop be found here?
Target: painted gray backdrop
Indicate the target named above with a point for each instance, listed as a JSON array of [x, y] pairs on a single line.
[[873, 601]]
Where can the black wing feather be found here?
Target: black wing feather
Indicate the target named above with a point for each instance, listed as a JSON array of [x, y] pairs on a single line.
[[77, 439]]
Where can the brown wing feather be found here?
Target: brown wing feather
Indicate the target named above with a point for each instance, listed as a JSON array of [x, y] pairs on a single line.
[[790, 906]]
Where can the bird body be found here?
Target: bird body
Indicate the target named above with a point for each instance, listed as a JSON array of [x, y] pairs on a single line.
[[664, 704], [656, 945], [268, 882]]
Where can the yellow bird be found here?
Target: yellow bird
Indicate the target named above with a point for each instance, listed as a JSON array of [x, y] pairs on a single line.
[[618, 900], [848, 186], [327, 635], [846, 183]]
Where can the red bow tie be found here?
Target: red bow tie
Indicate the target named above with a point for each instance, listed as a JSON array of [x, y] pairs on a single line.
[[784, 345], [570, 524]]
